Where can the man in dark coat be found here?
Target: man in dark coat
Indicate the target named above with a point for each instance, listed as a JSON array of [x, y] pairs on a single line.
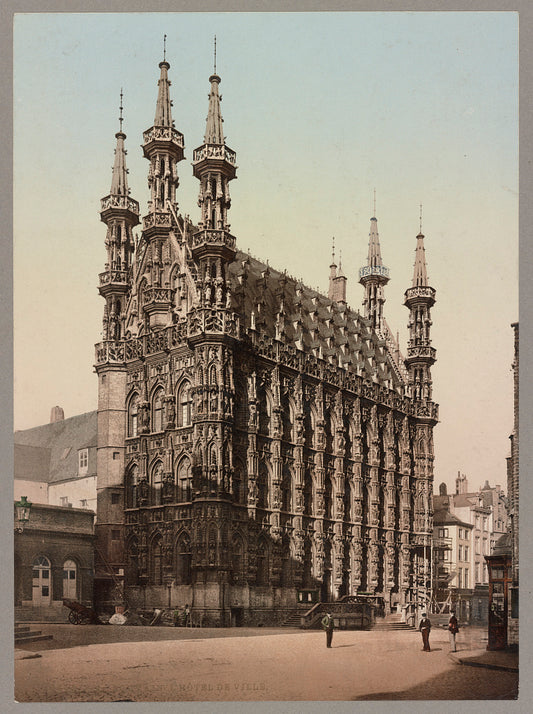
[[425, 629], [453, 629], [327, 624]]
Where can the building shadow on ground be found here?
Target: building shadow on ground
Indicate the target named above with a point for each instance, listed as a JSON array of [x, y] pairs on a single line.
[[450, 686]]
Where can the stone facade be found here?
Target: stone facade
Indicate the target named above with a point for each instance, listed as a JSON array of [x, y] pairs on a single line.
[[255, 438]]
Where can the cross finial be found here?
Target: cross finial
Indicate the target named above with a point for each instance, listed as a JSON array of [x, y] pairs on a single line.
[[340, 258], [333, 249], [374, 214], [215, 56], [121, 108], [420, 218], [164, 48]]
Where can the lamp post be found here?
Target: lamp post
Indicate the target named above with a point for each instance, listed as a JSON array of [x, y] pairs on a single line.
[[23, 513]]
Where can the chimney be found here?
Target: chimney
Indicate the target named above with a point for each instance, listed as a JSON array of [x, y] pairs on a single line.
[[57, 414]]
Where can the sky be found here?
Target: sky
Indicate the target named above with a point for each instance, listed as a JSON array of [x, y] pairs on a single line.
[[322, 109]]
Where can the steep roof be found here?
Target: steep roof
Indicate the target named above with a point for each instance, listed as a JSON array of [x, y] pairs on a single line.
[[62, 441], [282, 307], [443, 517], [32, 463]]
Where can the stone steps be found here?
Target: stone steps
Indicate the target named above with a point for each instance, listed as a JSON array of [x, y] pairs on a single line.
[[391, 622], [55, 615], [24, 634], [292, 620]]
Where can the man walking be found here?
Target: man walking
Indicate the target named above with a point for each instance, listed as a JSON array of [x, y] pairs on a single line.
[[425, 629], [327, 624], [453, 629]]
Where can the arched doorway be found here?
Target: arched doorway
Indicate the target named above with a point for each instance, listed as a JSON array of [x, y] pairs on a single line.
[[70, 580], [41, 581]]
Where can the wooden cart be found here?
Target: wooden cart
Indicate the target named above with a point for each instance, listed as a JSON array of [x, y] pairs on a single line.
[[79, 614]]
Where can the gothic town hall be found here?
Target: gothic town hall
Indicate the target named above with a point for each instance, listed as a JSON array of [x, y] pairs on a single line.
[[256, 439]]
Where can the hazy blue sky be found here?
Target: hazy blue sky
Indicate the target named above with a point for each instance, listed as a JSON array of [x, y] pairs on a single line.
[[321, 108]]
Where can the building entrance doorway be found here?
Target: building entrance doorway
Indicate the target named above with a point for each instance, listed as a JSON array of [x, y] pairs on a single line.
[[325, 590], [41, 581], [69, 580], [237, 616]]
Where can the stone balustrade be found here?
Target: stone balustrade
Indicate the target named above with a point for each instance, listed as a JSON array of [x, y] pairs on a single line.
[[214, 151]]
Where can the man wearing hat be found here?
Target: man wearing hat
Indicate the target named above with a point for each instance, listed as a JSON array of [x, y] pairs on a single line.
[[327, 624], [425, 628], [453, 629]]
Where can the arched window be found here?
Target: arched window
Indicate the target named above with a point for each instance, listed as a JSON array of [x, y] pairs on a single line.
[[328, 498], [157, 411], [264, 405], [286, 489], [156, 561], [237, 559], [183, 560], [132, 563], [347, 501], [69, 580], [288, 422], [307, 574], [308, 492], [41, 590], [184, 404], [133, 415], [286, 569], [262, 563], [212, 455], [157, 483], [213, 375], [262, 487], [238, 486], [132, 482], [309, 426], [184, 480]]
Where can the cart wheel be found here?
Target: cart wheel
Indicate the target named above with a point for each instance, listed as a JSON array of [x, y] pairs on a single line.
[[73, 618]]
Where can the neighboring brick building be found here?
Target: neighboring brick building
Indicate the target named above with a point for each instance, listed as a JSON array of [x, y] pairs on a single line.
[[55, 468], [54, 559]]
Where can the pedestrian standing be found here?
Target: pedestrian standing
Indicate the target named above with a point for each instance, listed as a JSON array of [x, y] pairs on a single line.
[[327, 624], [425, 629], [187, 615], [453, 629]]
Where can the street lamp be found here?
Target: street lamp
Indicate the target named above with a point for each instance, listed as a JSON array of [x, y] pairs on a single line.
[[23, 513]]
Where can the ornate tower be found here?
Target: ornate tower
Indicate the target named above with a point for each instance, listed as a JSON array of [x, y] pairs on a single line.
[[163, 147], [420, 298], [337, 280], [213, 247], [120, 213], [373, 277], [212, 330]]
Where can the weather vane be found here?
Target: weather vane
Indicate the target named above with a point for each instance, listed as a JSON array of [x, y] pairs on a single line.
[[164, 48], [215, 58], [121, 107]]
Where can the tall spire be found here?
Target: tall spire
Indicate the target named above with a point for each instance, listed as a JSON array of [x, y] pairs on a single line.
[[119, 182], [120, 213], [373, 277], [163, 147], [420, 277], [163, 113], [332, 272]]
